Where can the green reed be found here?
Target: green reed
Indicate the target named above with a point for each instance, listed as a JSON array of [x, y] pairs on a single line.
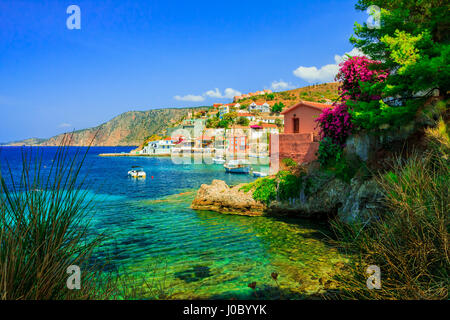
[[409, 241], [43, 228]]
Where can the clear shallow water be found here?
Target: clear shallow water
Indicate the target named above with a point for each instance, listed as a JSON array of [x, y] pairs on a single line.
[[153, 235]]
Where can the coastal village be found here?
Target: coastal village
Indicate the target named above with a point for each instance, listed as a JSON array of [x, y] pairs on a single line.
[[340, 191], [255, 126]]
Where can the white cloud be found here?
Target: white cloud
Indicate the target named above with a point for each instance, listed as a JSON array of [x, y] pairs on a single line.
[[229, 93], [213, 93], [355, 52], [190, 97], [64, 125], [326, 72], [281, 85]]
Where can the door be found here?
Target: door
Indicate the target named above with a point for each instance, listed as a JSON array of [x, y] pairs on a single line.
[[296, 125]]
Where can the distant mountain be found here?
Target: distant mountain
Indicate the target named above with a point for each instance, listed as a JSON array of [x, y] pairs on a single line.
[[128, 129], [27, 142]]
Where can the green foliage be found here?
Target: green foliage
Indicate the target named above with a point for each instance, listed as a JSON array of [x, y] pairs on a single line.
[[265, 189], [212, 122], [333, 160], [278, 107], [289, 185], [223, 124], [345, 169], [285, 95], [409, 240], [230, 117], [270, 96], [412, 42], [403, 48], [43, 229], [328, 153], [243, 121], [288, 162]]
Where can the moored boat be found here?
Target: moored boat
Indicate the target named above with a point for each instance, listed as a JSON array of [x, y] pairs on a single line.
[[259, 174], [237, 166], [137, 172], [219, 160]]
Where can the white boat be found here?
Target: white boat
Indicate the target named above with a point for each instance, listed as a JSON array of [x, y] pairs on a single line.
[[218, 160], [259, 174], [237, 166], [137, 172]]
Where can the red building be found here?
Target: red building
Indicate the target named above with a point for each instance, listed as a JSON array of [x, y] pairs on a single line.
[[299, 140]]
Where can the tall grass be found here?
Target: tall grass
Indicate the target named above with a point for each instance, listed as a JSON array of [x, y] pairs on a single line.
[[43, 229], [409, 242]]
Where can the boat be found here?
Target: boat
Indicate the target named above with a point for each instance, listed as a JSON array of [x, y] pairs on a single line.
[[259, 174], [237, 166], [219, 160], [137, 172]]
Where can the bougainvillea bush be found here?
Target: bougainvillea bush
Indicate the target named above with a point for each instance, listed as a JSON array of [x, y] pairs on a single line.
[[362, 83], [335, 124], [360, 78], [354, 74]]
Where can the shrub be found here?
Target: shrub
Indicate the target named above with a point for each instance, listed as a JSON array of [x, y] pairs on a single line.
[[329, 153], [356, 71], [409, 241], [285, 184], [335, 124], [212, 122], [289, 185], [288, 162], [243, 121], [277, 107], [270, 96], [223, 124], [264, 189]]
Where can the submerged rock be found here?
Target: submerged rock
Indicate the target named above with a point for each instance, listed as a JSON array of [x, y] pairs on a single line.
[[218, 196]]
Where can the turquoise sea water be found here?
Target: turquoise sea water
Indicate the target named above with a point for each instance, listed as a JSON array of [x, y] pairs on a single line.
[[154, 236]]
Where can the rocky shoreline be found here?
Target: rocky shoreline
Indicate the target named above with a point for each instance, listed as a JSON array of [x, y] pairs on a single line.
[[325, 199], [218, 196]]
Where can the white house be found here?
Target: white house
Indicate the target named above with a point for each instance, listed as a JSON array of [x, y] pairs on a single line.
[[223, 110], [159, 147], [259, 107], [271, 119]]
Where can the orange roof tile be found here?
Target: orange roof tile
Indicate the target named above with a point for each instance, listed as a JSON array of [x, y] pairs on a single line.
[[269, 125], [245, 114], [316, 105]]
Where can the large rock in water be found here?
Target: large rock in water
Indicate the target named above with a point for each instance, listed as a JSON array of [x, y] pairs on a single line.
[[324, 198], [218, 196]]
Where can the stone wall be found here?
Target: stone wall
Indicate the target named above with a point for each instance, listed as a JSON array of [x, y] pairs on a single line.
[[298, 146]]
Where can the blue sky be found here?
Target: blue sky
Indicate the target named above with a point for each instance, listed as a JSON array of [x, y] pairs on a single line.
[[140, 55]]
